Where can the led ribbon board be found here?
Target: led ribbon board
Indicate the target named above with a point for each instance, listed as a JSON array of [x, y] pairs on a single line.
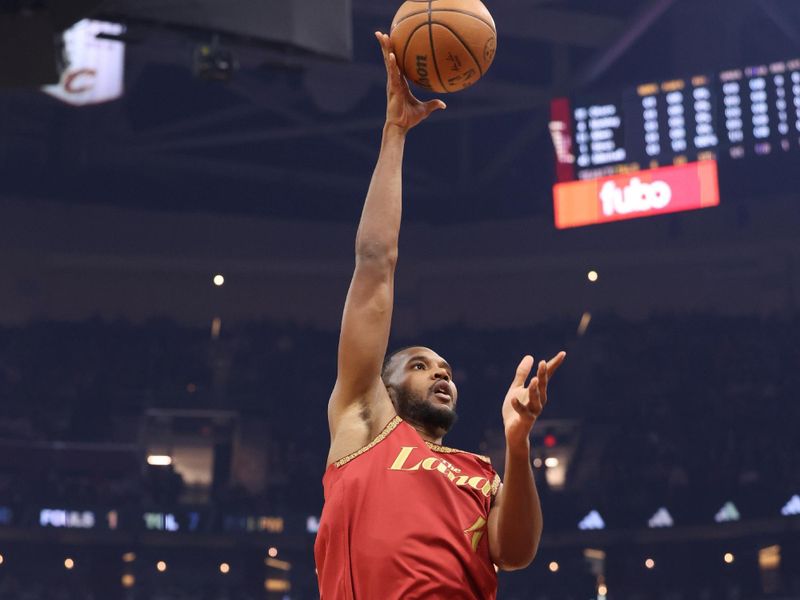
[[641, 194]]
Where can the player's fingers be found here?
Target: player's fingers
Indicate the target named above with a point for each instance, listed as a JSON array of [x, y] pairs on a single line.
[[394, 70], [535, 391], [381, 37], [522, 409], [432, 105], [523, 370], [542, 374], [388, 41], [555, 362], [542, 398]]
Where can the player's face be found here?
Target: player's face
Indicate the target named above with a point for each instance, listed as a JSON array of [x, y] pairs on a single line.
[[424, 389]]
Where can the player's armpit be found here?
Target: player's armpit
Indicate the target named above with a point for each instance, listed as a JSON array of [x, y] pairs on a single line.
[[363, 339]]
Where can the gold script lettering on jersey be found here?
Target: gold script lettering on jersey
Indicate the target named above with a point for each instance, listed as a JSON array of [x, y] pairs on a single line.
[[404, 462]]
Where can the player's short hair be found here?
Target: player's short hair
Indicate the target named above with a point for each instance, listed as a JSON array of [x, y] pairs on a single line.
[[387, 361]]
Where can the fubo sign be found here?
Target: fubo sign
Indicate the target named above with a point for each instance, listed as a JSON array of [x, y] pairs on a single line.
[[642, 194]]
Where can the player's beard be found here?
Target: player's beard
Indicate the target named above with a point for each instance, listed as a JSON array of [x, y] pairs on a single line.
[[416, 409]]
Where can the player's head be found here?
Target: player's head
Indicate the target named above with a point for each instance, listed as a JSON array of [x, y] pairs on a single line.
[[420, 384]]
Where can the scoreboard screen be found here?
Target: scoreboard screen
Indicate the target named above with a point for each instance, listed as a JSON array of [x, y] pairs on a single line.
[[732, 115]]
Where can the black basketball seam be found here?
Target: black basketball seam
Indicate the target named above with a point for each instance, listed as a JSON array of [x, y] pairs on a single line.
[[405, 48], [433, 48], [458, 37], [453, 10]]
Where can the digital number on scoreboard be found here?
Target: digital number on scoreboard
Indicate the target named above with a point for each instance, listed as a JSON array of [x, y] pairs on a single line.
[[737, 113]]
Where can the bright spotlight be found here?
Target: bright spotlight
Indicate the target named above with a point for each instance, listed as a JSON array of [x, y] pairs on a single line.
[[69, 564], [225, 568], [159, 460], [602, 590], [551, 462], [553, 566], [728, 558], [592, 276], [273, 552], [649, 563], [218, 280], [161, 566]]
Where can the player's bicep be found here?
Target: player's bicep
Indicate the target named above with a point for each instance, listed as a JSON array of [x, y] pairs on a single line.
[[365, 330]]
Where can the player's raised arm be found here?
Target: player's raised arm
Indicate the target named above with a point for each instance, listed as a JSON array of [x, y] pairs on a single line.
[[368, 308], [515, 521]]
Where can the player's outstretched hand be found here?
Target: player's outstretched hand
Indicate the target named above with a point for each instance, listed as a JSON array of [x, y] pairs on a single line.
[[403, 110], [524, 402]]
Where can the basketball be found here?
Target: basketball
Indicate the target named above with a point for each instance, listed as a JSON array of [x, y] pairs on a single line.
[[444, 45]]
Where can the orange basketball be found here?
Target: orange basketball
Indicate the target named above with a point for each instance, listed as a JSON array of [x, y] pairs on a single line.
[[444, 45]]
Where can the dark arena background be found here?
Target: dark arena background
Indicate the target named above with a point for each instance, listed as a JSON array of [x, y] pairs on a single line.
[[180, 184]]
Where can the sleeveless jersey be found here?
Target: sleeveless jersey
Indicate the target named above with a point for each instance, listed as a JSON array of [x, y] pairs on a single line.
[[405, 519]]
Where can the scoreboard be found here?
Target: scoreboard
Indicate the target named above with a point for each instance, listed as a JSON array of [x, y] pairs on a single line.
[[736, 113], [613, 151]]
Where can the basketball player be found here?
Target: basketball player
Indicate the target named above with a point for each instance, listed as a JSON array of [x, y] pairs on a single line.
[[405, 517]]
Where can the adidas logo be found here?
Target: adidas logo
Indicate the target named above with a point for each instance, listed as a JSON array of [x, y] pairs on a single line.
[[792, 507], [727, 513], [592, 521], [662, 518]]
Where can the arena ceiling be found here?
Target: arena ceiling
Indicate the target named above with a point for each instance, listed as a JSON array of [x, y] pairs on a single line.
[[294, 134]]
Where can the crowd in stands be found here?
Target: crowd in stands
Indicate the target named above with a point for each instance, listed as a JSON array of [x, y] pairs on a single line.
[[684, 411]]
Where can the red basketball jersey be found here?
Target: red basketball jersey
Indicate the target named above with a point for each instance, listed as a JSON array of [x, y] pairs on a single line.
[[405, 519]]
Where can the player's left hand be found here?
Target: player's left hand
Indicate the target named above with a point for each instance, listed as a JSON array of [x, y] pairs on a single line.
[[524, 403]]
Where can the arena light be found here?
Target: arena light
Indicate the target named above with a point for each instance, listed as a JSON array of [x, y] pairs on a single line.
[[128, 557], [69, 564], [216, 327], [538, 462], [592, 521], [649, 563], [161, 566], [2, 559], [219, 280], [553, 566], [224, 568], [312, 524], [602, 590], [769, 558], [592, 276], [661, 518], [728, 557], [792, 507], [159, 460], [551, 462], [281, 565], [277, 585], [727, 514], [586, 318], [128, 580], [272, 552]]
